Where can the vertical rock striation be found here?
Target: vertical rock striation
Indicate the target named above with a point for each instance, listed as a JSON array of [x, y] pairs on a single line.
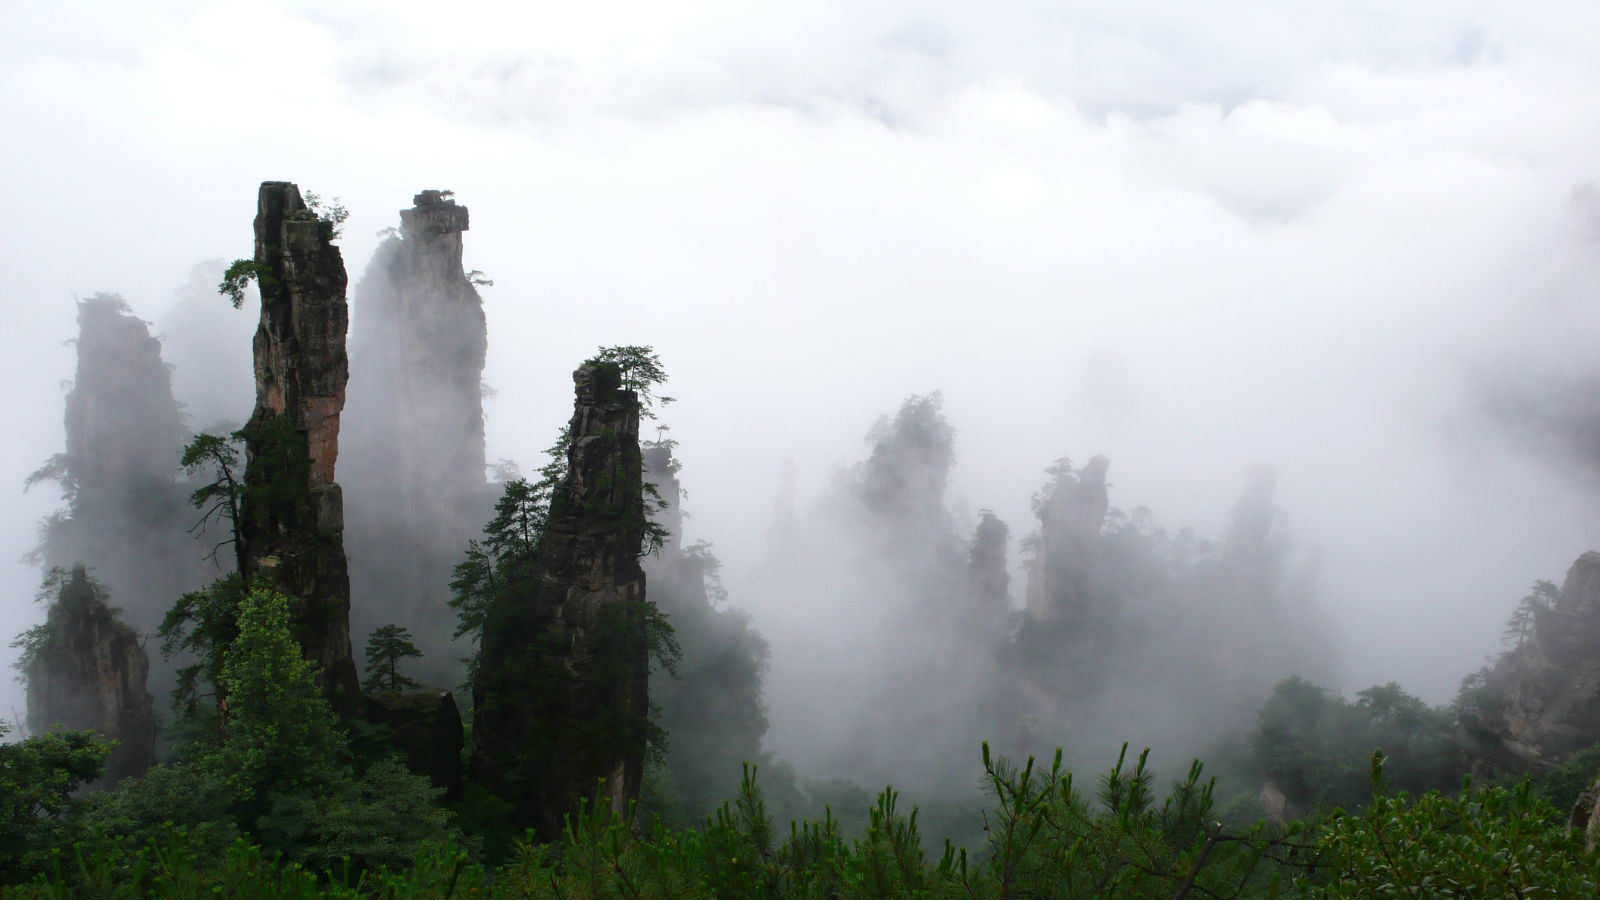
[[86, 670], [561, 699], [293, 510], [417, 486]]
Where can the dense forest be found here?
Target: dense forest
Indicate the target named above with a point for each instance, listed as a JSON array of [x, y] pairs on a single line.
[[325, 648]]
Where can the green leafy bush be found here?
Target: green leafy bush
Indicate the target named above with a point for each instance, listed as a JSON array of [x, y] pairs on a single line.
[[1497, 842]]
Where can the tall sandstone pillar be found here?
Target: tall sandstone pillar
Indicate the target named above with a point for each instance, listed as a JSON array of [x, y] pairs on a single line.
[[293, 511], [416, 483], [126, 518], [561, 699]]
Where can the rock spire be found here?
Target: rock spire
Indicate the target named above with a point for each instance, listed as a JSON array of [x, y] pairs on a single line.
[[416, 482], [293, 515], [561, 699]]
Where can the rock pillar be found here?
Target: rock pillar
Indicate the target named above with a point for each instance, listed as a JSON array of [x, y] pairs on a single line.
[[293, 510], [561, 700]]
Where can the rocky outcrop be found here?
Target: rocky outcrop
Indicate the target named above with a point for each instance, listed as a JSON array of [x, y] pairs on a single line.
[[905, 476], [986, 564], [1071, 510], [426, 727], [1544, 697], [125, 515], [561, 699], [293, 515], [87, 670], [416, 480]]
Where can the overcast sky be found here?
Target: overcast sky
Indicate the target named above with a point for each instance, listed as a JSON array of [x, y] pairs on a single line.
[[1188, 236]]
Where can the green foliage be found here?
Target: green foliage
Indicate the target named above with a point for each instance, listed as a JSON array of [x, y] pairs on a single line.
[[200, 626], [277, 491], [377, 819], [1313, 744], [1561, 786], [502, 562], [29, 644], [67, 589], [331, 213], [184, 793], [280, 767], [1489, 843], [1045, 838], [37, 779], [238, 276], [1520, 625], [219, 498], [1474, 697], [279, 733], [641, 371], [58, 468], [386, 647]]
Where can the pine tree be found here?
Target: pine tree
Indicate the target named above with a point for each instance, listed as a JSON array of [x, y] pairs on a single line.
[[1521, 623], [386, 647], [279, 733]]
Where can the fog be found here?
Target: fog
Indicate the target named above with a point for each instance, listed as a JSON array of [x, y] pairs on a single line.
[[1357, 245]]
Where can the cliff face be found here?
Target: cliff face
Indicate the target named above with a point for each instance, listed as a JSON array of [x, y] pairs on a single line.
[[1071, 513], [293, 510], [561, 698], [416, 481], [125, 516], [88, 671], [1546, 695]]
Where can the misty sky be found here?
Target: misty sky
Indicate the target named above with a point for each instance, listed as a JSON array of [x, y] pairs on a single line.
[[1190, 237]]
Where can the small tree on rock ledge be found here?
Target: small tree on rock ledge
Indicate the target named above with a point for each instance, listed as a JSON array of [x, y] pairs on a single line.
[[386, 647]]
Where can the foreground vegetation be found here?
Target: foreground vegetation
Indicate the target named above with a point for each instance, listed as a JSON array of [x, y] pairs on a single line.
[[1048, 835], [269, 795]]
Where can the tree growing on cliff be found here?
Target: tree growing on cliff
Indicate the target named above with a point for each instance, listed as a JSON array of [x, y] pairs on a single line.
[[386, 647], [641, 372], [502, 559], [560, 692], [199, 627], [331, 214], [34, 641], [1519, 627], [218, 499]]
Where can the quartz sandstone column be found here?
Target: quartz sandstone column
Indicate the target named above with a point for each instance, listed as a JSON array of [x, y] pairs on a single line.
[[561, 700], [293, 510]]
